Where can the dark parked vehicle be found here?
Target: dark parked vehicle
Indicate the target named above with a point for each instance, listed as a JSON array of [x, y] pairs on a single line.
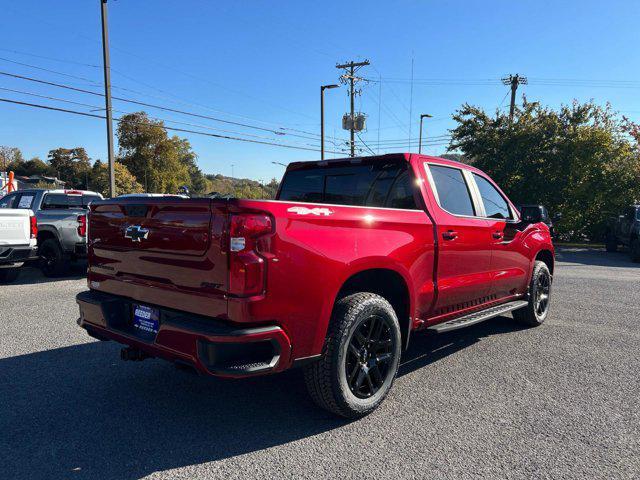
[[625, 230], [61, 217], [538, 214]]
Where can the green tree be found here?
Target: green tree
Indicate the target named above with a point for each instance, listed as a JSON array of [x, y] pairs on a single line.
[[125, 181], [578, 160], [157, 161], [71, 165], [188, 157], [10, 158], [35, 166]]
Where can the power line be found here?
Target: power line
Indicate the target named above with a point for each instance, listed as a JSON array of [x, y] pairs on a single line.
[[363, 142], [84, 79], [226, 137], [150, 105], [181, 101], [94, 107], [71, 62]]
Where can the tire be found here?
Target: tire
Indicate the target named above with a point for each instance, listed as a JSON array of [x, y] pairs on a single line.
[[611, 244], [8, 275], [355, 373], [52, 260], [634, 250], [537, 310]]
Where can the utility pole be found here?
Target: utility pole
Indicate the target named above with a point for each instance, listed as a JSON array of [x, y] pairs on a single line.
[[513, 81], [424, 115], [351, 68], [322, 89], [107, 98]]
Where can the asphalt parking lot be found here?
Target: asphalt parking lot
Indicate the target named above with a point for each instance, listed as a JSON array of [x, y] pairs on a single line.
[[490, 401]]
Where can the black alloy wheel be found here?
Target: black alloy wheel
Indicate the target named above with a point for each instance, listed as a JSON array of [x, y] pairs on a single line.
[[542, 292], [369, 356]]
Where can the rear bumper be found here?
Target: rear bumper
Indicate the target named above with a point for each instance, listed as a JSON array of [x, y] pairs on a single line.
[[209, 345], [12, 255]]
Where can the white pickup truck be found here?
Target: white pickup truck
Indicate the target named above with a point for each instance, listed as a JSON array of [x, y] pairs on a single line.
[[18, 233]]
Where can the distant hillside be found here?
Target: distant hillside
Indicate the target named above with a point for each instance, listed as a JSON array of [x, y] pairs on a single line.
[[241, 187]]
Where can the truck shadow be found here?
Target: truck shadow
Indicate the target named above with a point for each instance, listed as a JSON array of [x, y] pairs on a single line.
[[30, 274], [428, 347], [79, 412]]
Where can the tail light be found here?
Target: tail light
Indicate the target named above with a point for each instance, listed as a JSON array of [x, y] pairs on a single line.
[[247, 269], [33, 223], [82, 225]]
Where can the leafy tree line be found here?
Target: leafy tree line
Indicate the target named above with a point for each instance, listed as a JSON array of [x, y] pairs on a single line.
[[582, 160], [148, 160]]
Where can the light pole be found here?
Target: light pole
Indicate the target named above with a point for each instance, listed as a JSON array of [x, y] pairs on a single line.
[[280, 163], [424, 115], [107, 97], [322, 89]]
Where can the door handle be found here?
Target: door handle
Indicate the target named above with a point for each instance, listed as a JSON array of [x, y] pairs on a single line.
[[449, 235], [498, 235]]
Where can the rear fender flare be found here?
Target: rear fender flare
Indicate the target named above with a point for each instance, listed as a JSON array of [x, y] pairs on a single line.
[[360, 265]]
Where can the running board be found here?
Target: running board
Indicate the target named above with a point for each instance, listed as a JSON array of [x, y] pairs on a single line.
[[477, 317]]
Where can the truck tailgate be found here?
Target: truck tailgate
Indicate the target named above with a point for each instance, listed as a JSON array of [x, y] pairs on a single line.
[[160, 251], [15, 228]]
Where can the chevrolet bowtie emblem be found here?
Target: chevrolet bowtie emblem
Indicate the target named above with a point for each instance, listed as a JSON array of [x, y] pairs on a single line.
[[136, 233]]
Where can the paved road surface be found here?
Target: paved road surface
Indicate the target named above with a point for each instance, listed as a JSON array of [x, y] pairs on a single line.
[[494, 400]]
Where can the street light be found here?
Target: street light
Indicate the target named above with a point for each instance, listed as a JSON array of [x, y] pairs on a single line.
[[280, 163], [424, 115], [322, 89]]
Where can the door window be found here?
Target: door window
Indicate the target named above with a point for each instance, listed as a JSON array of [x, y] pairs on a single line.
[[452, 190], [495, 206]]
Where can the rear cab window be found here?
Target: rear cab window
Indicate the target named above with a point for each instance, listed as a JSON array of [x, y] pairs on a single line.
[[7, 201], [374, 184], [66, 201]]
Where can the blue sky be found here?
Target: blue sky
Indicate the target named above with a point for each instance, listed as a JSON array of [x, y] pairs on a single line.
[[261, 63]]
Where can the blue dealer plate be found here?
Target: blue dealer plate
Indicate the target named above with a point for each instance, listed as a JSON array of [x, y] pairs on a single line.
[[146, 320]]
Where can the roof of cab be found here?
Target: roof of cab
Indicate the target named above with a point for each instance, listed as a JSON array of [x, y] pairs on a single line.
[[406, 157]]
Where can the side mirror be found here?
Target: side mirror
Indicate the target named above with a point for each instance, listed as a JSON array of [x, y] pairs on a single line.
[[531, 214], [557, 216]]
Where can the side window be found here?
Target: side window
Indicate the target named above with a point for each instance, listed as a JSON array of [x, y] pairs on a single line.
[[25, 201], [401, 195], [452, 190], [495, 206], [7, 201]]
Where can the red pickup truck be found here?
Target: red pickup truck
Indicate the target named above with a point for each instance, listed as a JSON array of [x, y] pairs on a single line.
[[334, 275]]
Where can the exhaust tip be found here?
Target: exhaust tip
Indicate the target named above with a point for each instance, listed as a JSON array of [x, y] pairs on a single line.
[[132, 354]]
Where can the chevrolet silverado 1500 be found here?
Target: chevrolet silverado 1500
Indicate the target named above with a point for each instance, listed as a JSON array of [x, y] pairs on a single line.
[[334, 275], [61, 218]]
